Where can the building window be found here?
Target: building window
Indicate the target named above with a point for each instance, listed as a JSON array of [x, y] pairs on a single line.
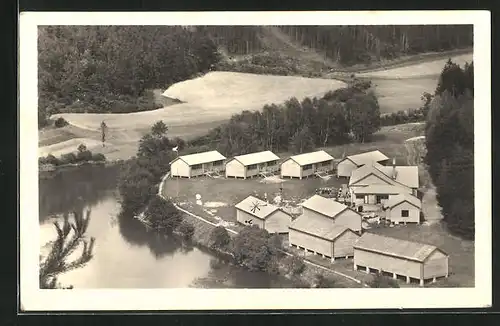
[[252, 167], [218, 163], [405, 213], [307, 167], [326, 163], [272, 163], [360, 196], [196, 167]]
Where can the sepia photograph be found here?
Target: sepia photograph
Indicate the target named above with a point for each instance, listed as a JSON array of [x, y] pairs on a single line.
[[299, 160]]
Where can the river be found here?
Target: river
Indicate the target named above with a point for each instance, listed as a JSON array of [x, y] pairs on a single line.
[[126, 255]]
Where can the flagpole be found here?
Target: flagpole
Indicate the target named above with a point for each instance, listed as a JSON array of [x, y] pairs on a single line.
[[177, 151]]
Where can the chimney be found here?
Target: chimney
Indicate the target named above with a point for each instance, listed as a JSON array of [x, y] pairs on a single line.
[[394, 172]]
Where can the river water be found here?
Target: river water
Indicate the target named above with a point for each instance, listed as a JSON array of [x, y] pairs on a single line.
[[126, 255]]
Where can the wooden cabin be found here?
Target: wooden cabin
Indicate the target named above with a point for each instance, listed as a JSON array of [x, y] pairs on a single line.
[[400, 258], [254, 211], [403, 208], [251, 165], [353, 162], [307, 164], [322, 237], [198, 164]]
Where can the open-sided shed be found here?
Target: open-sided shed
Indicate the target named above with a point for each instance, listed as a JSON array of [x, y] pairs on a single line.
[[250, 165], [197, 164]]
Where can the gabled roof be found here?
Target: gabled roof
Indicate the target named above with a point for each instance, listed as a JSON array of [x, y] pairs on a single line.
[[310, 158], [262, 212], [325, 206], [381, 189], [405, 175], [366, 170], [396, 200], [320, 228], [367, 157], [256, 158], [395, 247], [199, 158]]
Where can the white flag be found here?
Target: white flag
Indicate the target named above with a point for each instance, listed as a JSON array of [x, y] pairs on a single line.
[[175, 149]]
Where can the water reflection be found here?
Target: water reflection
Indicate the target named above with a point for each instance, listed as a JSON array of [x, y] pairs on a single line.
[[127, 255]]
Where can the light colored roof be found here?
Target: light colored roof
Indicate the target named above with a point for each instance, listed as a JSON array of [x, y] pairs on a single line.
[[395, 247], [264, 210], [367, 157], [321, 228], [255, 158], [310, 158], [325, 206], [199, 158], [407, 175], [366, 170], [395, 200], [381, 189]]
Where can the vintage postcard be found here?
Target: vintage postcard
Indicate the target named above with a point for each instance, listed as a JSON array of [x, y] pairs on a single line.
[[255, 160]]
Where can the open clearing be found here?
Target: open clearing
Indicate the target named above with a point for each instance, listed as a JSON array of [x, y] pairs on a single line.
[[213, 97], [401, 88]]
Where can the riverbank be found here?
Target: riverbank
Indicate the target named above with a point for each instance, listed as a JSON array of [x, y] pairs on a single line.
[[50, 170]]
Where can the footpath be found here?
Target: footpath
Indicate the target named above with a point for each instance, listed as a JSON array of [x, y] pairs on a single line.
[[306, 261]]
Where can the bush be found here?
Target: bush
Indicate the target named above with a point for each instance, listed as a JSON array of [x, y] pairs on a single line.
[[98, 157], [219, 238], [163, 215], [84, 156], [294, 265], [68, 158], [186, 229], [252, 249], [381, 281], [60, 122], [320, 281]]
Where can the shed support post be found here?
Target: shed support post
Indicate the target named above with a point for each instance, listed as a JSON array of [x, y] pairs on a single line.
[[421, 282], [408, 280], [355, 267], [434, 279], [333, 259], [346, 257], [367, 270], [394, 276]]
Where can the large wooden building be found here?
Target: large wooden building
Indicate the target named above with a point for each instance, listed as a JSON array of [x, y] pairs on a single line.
[[321, 208], [400, 258], [322, 237], [403, 208], [307, 164], [251, 165], [197, 164], [253, 211], [352, 162]]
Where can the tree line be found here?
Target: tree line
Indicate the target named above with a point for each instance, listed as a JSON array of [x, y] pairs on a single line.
[[348, 44], [346, 114], [111, 68], [450, 146]]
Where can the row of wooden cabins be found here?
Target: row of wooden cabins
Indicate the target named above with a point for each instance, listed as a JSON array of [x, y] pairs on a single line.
[[333, 230], [251, 165]]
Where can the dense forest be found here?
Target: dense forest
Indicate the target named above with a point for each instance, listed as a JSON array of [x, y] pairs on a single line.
[[340, 116], [113, 68], [110, 68], [450, 147], [346, 44]]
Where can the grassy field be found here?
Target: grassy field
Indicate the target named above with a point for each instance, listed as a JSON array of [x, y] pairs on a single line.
[[400, 88], [213, 97]]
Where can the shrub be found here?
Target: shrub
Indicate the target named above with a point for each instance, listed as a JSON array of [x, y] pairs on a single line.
[[163, 215], [219, 238], [320, 281], [98, 157], [186, 230], [294, 265], [84, 156], [51, 159], [68, 158], [381, 281], [60, 122]]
